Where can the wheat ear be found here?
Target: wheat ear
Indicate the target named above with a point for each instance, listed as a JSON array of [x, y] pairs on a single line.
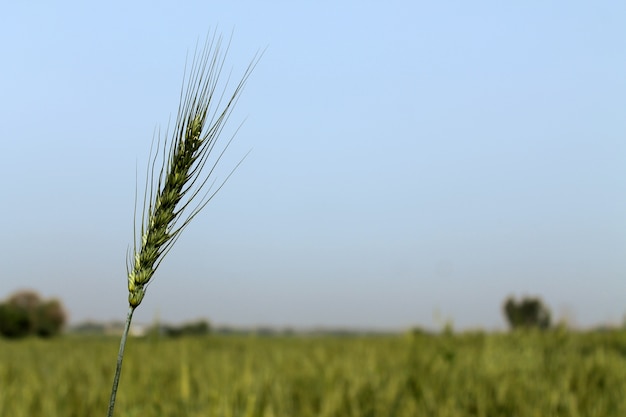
[[179, 188]]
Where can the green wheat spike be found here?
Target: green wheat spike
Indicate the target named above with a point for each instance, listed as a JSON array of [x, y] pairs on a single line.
[[179, 188]]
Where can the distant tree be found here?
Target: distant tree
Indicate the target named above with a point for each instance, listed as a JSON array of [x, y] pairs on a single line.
[[26, 299], [51, 318], [28, 302], [25, 313], [197, 328], [530, 312], [14, 322]]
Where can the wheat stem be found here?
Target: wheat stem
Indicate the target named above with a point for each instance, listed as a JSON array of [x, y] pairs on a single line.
[[120, 358]]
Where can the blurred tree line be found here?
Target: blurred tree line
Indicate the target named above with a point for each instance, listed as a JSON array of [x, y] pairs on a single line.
[[25, 313], [195, 328]]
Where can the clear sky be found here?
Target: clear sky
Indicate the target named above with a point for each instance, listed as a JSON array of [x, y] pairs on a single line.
[[411, 162]]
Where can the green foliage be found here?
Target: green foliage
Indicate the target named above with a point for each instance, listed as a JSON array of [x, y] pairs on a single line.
[[527, 313], [196, 328], [51, 318], [26, 314], [530, 374], [14, 321]]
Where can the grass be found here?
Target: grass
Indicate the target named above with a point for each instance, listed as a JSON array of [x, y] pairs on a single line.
[[180, 185], [531, 374]]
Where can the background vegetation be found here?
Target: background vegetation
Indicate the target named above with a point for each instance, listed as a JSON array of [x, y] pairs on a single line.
[[529, 312], [25, 313], [522, 373]]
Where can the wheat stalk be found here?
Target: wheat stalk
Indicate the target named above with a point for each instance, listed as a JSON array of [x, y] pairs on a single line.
[[179, 188]]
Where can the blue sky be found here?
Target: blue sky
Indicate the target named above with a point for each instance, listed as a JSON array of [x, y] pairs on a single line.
[[411, 163]]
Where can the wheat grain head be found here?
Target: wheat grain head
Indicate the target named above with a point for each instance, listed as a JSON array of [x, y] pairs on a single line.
[[178, 189]]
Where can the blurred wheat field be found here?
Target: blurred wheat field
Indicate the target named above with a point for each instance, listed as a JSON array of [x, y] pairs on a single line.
[[517, 374]]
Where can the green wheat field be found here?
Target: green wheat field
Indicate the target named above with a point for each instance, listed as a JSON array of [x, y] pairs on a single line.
[[520, 374]]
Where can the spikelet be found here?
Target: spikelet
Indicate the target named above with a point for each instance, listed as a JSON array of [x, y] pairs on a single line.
[[179, 188]]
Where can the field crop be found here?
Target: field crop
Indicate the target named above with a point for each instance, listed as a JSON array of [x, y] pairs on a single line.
[[517, 374]]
